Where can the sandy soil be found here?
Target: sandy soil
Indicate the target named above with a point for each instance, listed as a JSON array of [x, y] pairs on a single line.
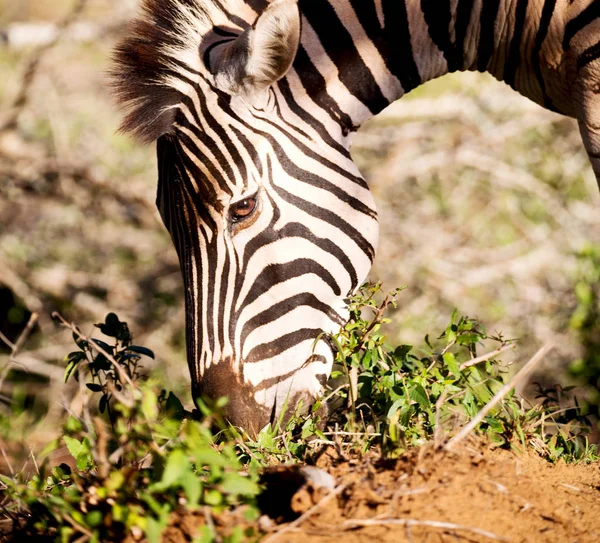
[[428, 496]]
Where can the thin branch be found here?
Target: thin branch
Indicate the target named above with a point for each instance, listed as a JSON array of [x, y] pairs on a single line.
[[25, 333], [16, 347], [486, 357], [358, 523], [7, 341], [519, 376], [376, 320], [33, 65]]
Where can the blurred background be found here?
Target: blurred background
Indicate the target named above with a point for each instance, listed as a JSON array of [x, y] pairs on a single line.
[[487, 204]]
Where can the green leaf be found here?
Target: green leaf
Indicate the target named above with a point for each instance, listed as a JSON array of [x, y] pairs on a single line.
[[401, 352], [102, 405], [94, 518], [193, 488], [234, 483], [80, 451], [468, 339], [213, 497], [394, 407], [177, 467], [206, 536], [73, 359], [94, 387], [74, 447], [81, 343], [140, 350], [418, 394], [111, 326], [154, 529], [150, 405], [103, 345], [452, 364]]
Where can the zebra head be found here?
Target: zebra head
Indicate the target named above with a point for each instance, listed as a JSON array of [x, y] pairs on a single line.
[[272, 222]]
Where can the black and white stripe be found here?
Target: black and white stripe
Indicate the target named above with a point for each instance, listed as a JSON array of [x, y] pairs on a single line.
[[252, 101]]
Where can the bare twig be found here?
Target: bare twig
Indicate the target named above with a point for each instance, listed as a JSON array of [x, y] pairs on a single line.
[[519, 376], [100, 451], [486, 357], [309, 513], [16, 347], [361, 523], [25, 333], [33, 65], [7, 460], [376, 320]]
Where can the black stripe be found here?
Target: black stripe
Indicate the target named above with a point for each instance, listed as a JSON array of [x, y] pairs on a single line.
[[316, 124], [514, 53], [251, 149], [589, 55], [581, 21], [294, 229], [546, 18], [464, 12], [329, 217], [303, 175], [397, 32], [207, 191], [393, 40], [340, 47], [230, 16], [281, 344], [272, 381], [223, 299], [306, 150], [290, 126], [273, 274], [286, 306], [487, 24], [438, 18], [316, 87], [257, 5]]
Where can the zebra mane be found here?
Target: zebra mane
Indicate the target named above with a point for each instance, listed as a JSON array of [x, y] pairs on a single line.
[[162, 43]]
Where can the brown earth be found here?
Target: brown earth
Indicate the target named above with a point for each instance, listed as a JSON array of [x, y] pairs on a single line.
[[429, 496]]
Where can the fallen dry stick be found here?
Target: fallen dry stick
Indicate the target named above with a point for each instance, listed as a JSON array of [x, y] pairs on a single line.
[[520, 375], [412, 523]]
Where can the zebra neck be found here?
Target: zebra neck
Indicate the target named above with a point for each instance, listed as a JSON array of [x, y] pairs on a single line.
[[409, 42]]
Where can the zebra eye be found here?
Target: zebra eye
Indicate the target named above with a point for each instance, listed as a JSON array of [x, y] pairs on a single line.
[[242, 209]]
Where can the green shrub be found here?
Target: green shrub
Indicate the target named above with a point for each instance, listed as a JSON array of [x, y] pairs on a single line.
[[140, 456]]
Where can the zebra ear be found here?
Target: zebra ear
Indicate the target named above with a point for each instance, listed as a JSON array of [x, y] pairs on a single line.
[[263, 53]]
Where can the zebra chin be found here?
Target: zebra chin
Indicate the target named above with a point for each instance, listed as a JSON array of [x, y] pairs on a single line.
[[252, 406]]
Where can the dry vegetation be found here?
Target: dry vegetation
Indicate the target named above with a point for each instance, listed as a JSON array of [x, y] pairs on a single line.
[[485, 202]]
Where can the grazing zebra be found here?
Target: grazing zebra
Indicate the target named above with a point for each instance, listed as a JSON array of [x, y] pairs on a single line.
[[252, 103]]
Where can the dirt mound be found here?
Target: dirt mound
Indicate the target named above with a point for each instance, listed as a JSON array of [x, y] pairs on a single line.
[[476, 495]]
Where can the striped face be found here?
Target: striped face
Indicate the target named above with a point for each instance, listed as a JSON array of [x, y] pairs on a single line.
[[274, 228], [272, 222]]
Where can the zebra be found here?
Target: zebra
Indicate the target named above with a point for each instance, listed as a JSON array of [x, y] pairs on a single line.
[[252, 104]]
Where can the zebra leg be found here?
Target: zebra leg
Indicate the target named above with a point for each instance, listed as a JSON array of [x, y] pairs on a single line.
[[586, 93]]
